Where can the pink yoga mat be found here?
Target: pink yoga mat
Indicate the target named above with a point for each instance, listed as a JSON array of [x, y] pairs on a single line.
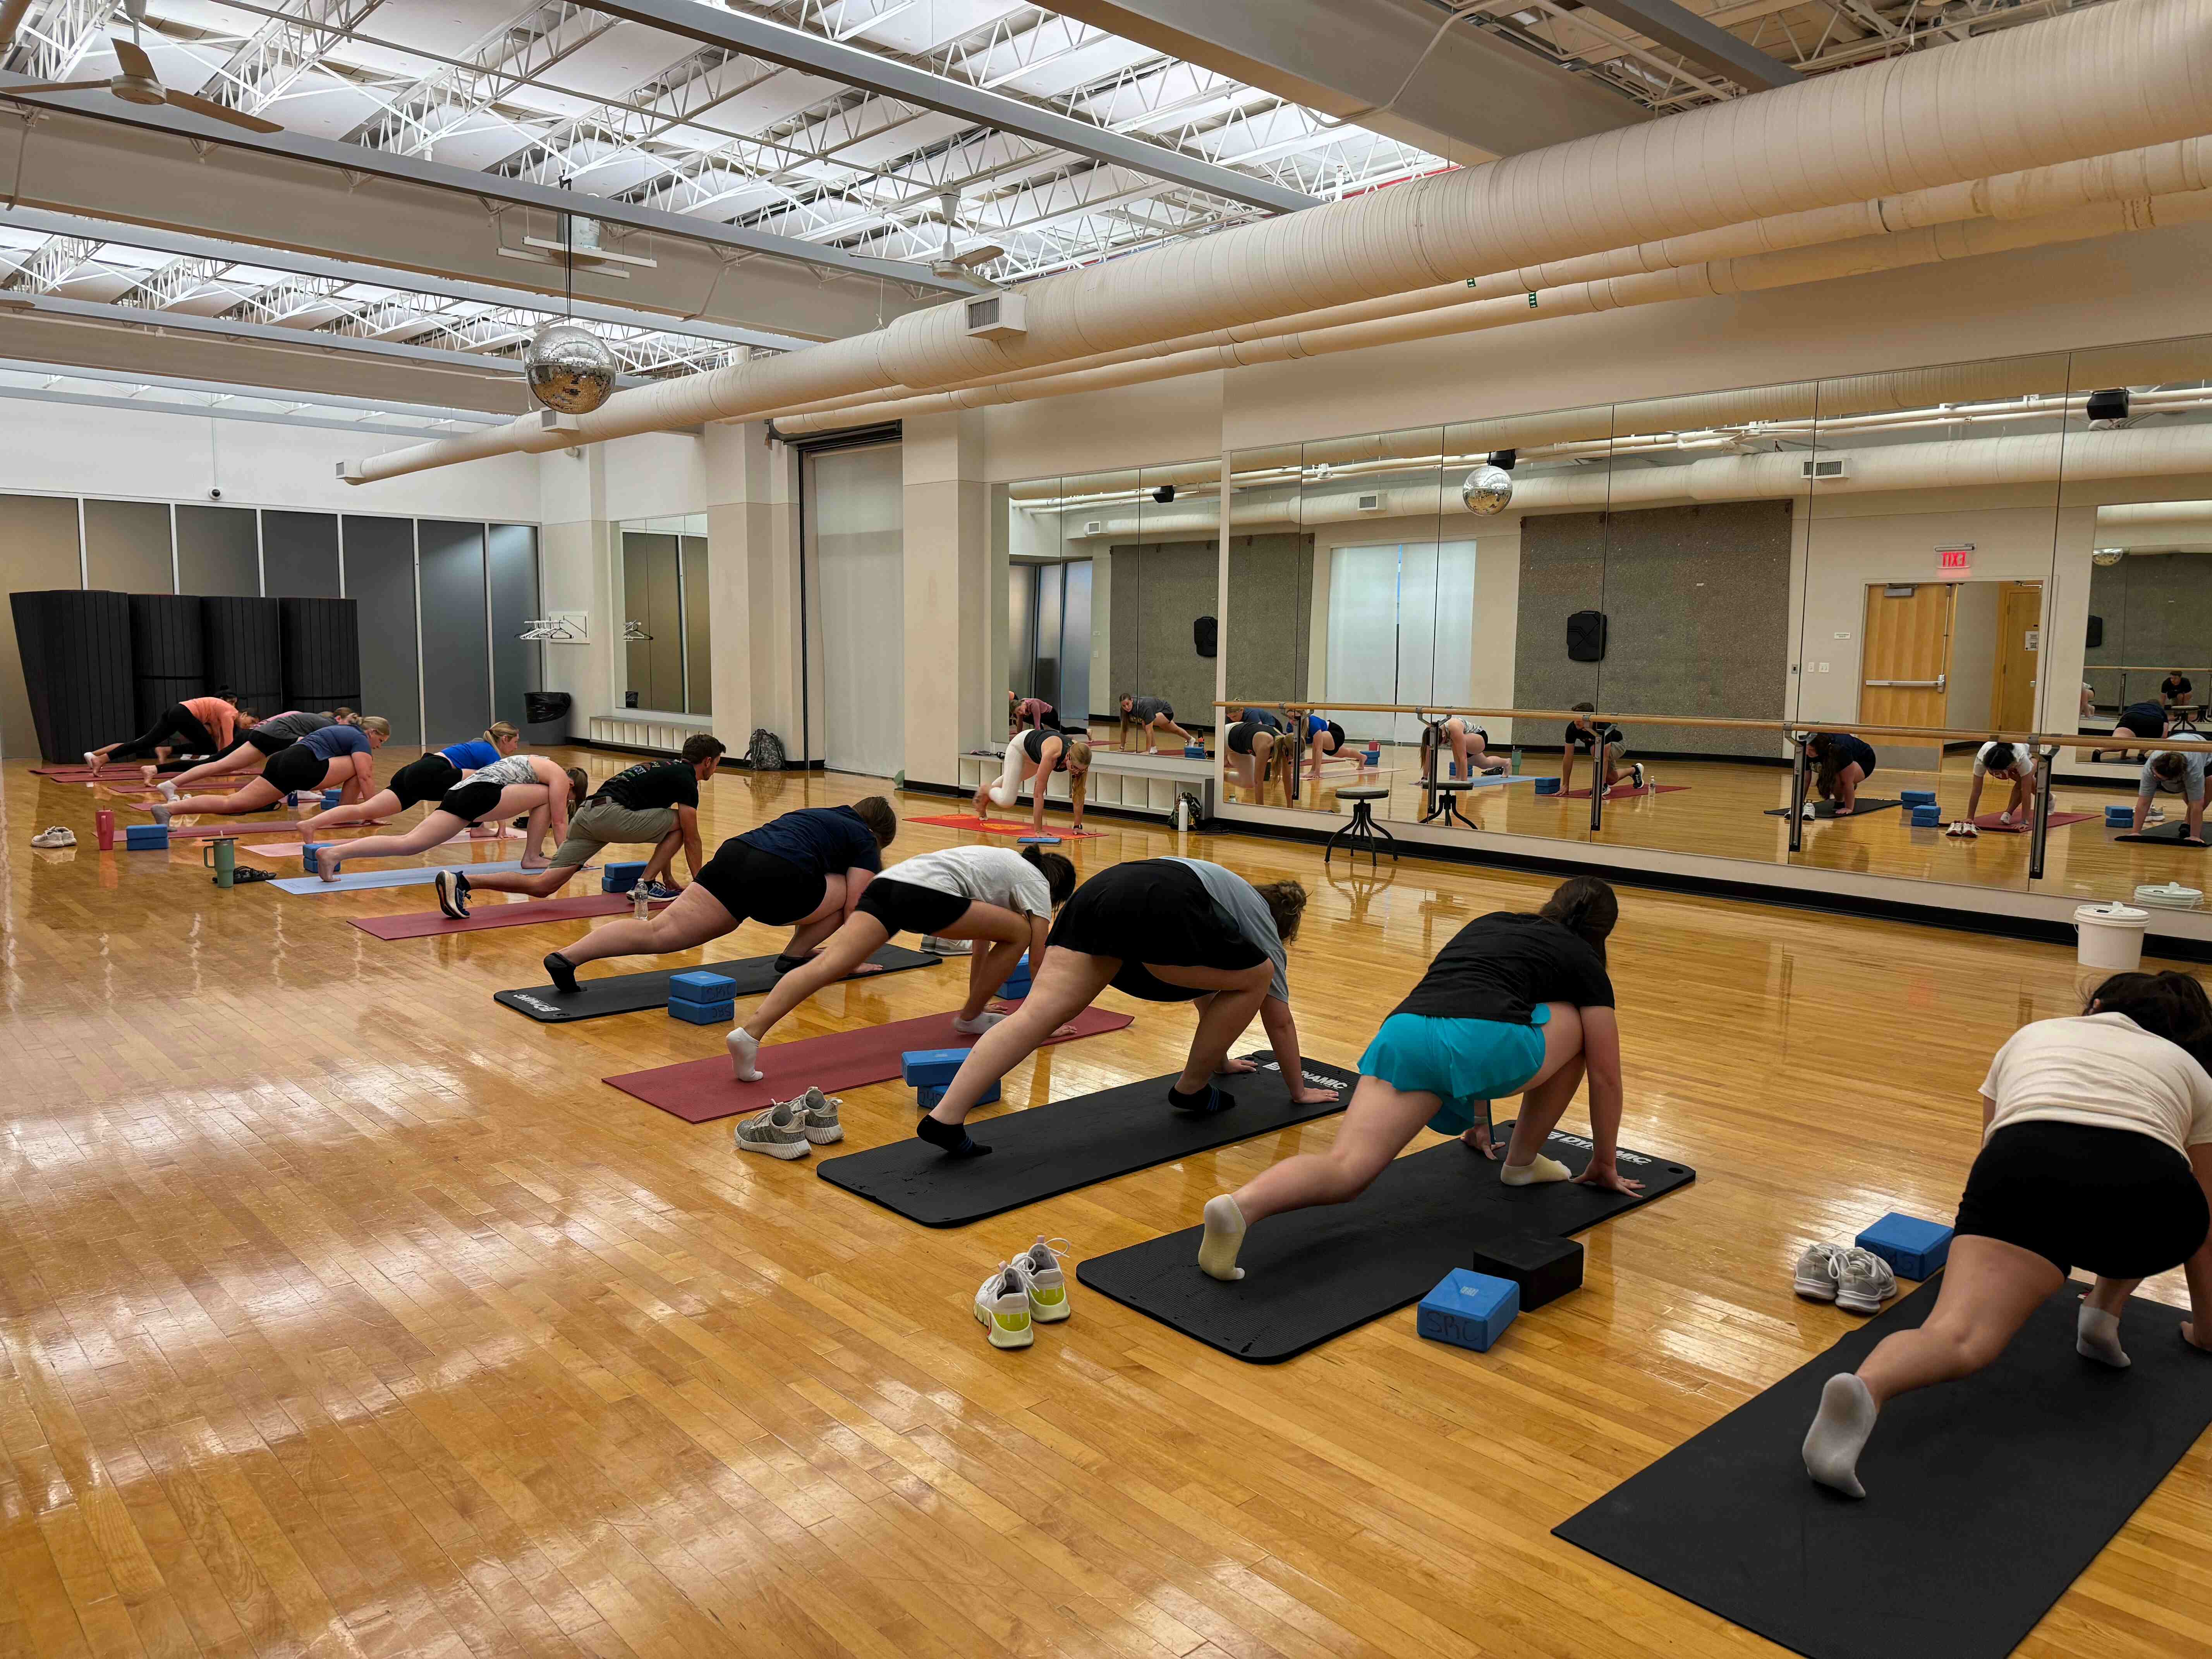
[[701, 1090], [1622, 791], [2058, 821], [428, 924], [996, 826]]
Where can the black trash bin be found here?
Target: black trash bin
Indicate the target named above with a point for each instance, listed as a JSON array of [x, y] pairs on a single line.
[[545, 716]]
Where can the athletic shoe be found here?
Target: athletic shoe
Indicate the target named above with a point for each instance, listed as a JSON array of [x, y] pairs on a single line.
[[656, 891], [57, 836], [453, 893], [1039, 1270], [1635, 775], [1818, 1271], [820, 1111], [947, 947], [1863, 1282], [1002, 1308], [781, 1131]]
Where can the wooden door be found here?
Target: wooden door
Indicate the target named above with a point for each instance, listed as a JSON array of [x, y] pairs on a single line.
[[2019, 641], [1906, 665]]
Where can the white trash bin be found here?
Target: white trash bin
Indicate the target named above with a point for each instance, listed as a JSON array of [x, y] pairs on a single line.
[[2112, 936]]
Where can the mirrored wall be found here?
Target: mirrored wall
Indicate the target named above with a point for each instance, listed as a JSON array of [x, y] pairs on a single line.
[[667, 646]]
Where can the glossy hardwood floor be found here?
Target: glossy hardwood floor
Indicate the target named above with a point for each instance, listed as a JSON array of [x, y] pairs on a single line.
[[344, 1312]]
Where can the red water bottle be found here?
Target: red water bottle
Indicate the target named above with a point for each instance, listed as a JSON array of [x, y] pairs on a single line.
[[105, 821]]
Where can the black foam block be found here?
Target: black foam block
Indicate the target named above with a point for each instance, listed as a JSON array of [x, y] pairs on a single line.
[[75, 651], [243, 654], [1546, 1268], [321, 645]]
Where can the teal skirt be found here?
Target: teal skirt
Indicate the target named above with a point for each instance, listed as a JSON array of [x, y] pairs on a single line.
[[1466, 1063]]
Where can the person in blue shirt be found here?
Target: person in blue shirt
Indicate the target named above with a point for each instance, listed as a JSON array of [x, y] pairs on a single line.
[[1324, 737], [333, 757], [1843, 762], [427, 778], [805, 870]]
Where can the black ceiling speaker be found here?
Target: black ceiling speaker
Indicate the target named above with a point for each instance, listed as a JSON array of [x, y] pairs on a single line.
[[2110, 404], [1503, 459], [1164, 494], [1206, 636]]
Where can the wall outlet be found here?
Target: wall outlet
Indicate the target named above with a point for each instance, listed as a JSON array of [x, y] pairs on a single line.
[[1824, 668]]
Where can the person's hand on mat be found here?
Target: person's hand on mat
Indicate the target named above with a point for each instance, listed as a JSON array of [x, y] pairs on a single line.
[[1305, 1095], [1478, 1138], [1238, 1067], [865, 968], [1608, 1178]]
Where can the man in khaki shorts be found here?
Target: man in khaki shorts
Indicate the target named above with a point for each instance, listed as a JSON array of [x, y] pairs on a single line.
[[656, 802]]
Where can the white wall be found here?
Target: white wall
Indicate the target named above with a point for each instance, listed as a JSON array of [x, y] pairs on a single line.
[[1973, 655]]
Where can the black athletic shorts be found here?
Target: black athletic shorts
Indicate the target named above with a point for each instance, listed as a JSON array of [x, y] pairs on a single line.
[[907, 907], [427, 778], [471, 802], [1240, 736], [1153, 910], [293, 767], [2118, 1202], [750, 883], [269, 742], [2145, 725]]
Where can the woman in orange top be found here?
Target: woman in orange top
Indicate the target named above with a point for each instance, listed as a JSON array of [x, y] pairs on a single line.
[[197, 725]]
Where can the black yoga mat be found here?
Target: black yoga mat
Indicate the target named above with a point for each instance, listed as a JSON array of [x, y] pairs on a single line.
[[2166, 835], [1316, 1274], [1985, 1497], [1827, 809], [1054, 1149], [629, 993]]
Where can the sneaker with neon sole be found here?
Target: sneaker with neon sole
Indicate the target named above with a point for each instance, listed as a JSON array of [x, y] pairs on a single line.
[[1039, 1270]]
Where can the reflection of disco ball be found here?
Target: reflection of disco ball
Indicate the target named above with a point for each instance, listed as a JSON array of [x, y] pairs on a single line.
[[1487, 490], [2106, 557], [570, 369]]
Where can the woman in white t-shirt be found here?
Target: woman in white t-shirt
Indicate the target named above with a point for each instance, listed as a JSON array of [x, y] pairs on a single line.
[[2096, 1151], [990, 894], [2017, 766]]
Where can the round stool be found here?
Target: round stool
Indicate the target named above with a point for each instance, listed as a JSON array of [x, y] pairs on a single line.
[[1362, 831], [1444, 795]]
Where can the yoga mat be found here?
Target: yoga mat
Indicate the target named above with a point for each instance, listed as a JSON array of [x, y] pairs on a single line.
[[1985, 1497], [292, 849], [1827, 809], [1313, 1275], [1622, 791], [701, 1090], [1988, 820], [1048, 1149], [997, 827], [628, 994], [2167, 835], [430, 924], [420, 875]]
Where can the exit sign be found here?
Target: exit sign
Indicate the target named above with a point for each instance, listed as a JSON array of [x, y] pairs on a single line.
[[1955, 558]]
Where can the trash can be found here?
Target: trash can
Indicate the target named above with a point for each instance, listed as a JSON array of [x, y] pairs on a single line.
[[545, 716], [2112, 936]]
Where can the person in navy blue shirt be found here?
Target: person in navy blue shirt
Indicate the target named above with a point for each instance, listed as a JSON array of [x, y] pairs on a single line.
[[1843, 762], [805, 870]]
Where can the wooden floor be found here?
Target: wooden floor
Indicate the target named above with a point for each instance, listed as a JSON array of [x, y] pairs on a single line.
[[344, 1312]]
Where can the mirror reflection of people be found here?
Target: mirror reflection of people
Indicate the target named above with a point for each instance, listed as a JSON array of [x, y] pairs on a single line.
[[1324, 737], [1151, 716], [1031, 712], [2011, 764], [1249, 745], [1842, 762], [1470, 747], [2174, 691], [2139, 719], [2171, 772], [1606, 745]]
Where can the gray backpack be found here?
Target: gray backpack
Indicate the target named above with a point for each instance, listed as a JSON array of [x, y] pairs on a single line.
[[765, 752]]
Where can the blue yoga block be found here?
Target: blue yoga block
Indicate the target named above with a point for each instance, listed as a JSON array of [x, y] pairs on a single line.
[[929, 1096], [703, 1013], [2119, 818], [1194, 751], [1927, 818], [1017, 982], [332, 797], [931, 1066], [621, 878], [1915, 1248], [1039, 840], [700, 987], [1470, 1310], [1547, 786], [308, 855], [1917, 797], [143, 837]]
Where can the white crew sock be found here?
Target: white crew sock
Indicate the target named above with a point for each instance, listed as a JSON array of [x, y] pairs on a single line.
[[1224, 1237], [1538, 1169], [745, 1053], [1839, 1433], [978, 1025], [2097, 1336]]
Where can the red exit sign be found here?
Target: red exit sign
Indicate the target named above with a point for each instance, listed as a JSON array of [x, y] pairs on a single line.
[[1955, 558]]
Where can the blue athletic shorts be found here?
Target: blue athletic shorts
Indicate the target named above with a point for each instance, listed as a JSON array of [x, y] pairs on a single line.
[[1467, 1063]]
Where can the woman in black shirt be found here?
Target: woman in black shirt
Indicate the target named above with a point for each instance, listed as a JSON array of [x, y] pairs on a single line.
[[1514, 1005], [1843, 762]]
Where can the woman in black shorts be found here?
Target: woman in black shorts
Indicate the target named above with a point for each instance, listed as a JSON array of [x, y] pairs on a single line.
[[1003, 899], [257, 740], [1162, 930], [805, 870], [1842, 762], [428, 778], [1251, 746], [518, 784], [334, 757], [2096, 1152]]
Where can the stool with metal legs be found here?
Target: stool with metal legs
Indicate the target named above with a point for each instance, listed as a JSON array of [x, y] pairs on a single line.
[[1362, 831], [1445, 794]]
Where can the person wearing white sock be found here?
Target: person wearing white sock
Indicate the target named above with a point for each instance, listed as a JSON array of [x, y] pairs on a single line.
[[993, 895], [1514, 1005], [2097, 1151]]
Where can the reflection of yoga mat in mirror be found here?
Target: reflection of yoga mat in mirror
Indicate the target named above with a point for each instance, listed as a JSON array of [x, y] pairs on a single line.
[[701, 1090], [631, 993], [974, 825], [1986, 1497], [1623, 791], [1989, 822], [1827, 809], [2167, 835]]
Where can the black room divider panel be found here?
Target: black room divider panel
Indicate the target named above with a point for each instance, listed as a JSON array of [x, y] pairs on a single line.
[[76, 647], [168, 654], [244, 652], [322, 654]]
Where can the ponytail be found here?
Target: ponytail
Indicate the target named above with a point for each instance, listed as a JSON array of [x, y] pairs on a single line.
[[1058, 872], [499, 732], [579, 782], [1586, 907]]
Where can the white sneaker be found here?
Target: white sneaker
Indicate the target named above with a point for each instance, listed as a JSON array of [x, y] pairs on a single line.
[[1818, 1271], [1864, 1282], [1002, 1308], [781, 1131], [947, 947], [1635, 775], [818, 1117], [1039, 1270], [57, 836]]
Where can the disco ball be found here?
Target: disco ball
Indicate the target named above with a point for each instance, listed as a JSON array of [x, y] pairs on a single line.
[[2105, 557], [569, 369], [1487, 490]]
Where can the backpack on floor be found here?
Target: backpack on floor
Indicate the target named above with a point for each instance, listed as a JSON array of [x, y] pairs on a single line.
[[765, 751]]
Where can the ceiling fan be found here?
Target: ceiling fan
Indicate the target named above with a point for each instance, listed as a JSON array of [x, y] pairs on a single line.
[[137, 83], [949, 264]]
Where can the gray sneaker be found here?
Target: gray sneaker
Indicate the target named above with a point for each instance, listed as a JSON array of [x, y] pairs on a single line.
[[781, 1131], [1864, 1282], [947, 947], [1818, 1271], [819, 1113]]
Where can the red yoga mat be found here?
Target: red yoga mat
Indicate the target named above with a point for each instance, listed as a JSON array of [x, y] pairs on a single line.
[[701, 1090], [428, 924], [998, 827], [1622, 791], [2058, 821]]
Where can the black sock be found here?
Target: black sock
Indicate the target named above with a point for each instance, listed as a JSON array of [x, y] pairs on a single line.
[[1207, 1100], [563, 972], [951, 1137]]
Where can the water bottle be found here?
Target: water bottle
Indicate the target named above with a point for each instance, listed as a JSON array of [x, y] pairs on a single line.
[[639, 906], [104, 820]]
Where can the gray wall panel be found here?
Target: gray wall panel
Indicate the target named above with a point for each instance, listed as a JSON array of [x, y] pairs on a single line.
[[1159, 591], [216, 551], [38, 542], [698, 634], [299, 555], [515, 662], [1268, 632], [2157, 609], [380, 560], [126, 547], [456, 664]]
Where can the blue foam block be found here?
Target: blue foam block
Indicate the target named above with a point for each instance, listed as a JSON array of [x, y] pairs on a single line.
[[1470, 1310], [1915, 1248], [929, 1096], [1039, 840], [332, 797], [1017, 982], [1547, 786], [145, 837], [2119, 818], [700, 987], [1917, 797], [703, 1013], [621, 878], [1927, 818], [1194, 751], [937, 1066], [308, 855]]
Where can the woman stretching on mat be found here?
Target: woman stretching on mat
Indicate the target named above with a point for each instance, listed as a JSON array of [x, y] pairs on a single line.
[[1163, 930], [984, 893], [257, 740], [806, 870], [1514, 1005], [1151, 716], [1251, 748], [1032, 712], [1842, 762], [1606, 744], [335, 756], [1324, 737], [2017, 766], [493, 795], [427, 778], [1032, 758], [1470, 747], [2096, 1151], [197, 725]]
